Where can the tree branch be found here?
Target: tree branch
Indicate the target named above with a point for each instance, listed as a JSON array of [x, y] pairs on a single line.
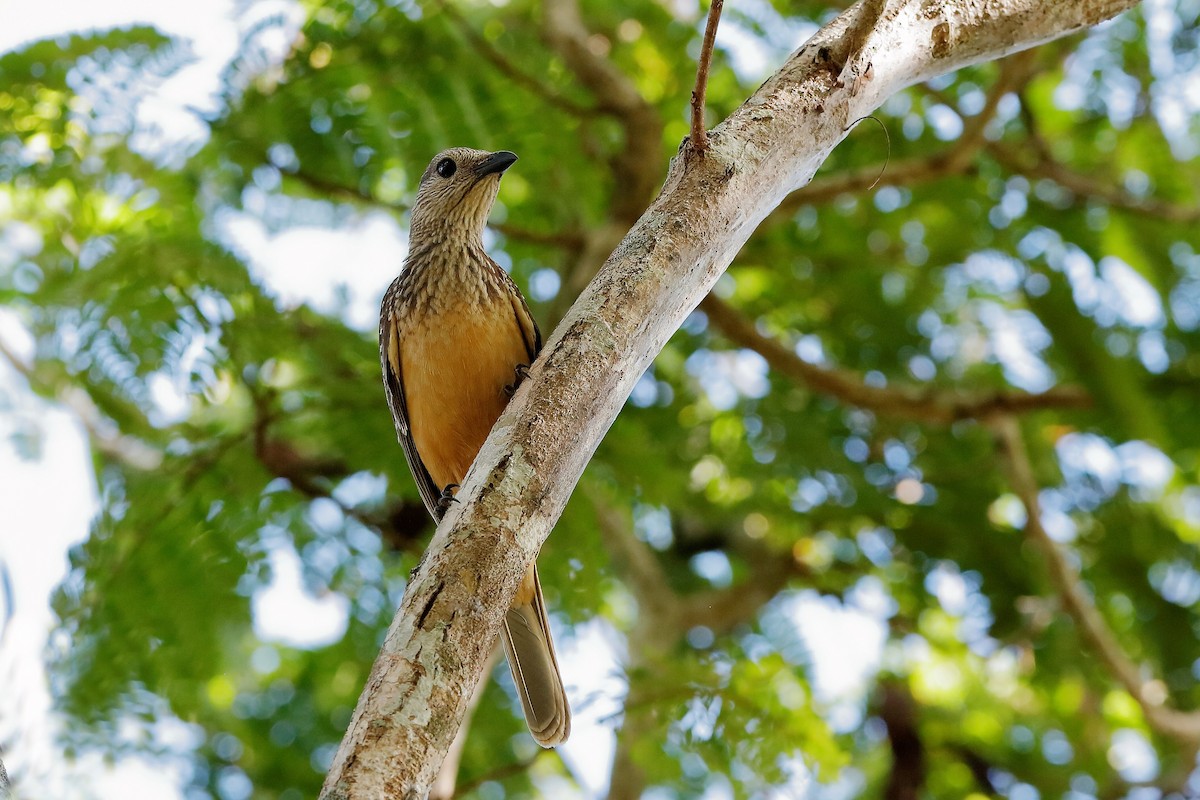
[[933, 406], [1183, 727], [699, 132], [498, 774], [898, 710], [434, 651], [664, 618]]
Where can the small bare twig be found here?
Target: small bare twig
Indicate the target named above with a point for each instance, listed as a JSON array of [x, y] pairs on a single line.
[[699, 132], [1150, 694]]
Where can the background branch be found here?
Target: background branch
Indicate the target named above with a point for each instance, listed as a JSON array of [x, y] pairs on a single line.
[[932, 405], [506, 67], [1184, 727], [104, 434], [663, 620], [636, 166], [1108, 190]]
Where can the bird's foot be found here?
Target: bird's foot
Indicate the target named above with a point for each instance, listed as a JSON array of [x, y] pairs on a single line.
[[447, 496], [522, 372]]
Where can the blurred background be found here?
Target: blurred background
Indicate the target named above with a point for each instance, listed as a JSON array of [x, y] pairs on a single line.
[[909, 507]]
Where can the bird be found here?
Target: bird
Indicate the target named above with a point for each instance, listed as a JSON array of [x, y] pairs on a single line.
[[456, 338]]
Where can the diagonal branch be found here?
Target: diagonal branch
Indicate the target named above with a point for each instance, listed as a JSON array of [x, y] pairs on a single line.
[[635, 167], [1086, 186], [419, 686], [1183, 727], [664, 618], [498, 774], [933, 406], [675, 614]]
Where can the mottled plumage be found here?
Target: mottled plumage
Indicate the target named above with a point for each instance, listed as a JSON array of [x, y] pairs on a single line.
[[454, 331]]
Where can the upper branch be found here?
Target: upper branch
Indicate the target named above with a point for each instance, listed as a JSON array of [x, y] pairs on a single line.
[[419, 686], [1044, 165], [1015, 71]]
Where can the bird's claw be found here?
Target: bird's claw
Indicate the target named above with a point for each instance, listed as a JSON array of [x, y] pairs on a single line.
[[447, 496], [522, 372]]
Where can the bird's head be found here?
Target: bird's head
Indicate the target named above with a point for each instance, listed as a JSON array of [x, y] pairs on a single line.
[[457, 191]]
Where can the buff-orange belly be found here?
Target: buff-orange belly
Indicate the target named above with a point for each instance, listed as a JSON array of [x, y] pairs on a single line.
[[455, 367]]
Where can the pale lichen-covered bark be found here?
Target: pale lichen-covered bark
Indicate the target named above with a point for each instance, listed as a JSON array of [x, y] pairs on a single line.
[[445, 629]]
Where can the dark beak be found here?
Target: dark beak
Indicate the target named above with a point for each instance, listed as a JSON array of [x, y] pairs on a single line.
[[495, 164]]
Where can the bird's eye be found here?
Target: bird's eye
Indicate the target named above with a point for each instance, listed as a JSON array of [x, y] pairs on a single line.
[[446, 167]]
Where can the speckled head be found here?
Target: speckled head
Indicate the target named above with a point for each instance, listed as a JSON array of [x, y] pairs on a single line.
[[457, 192]]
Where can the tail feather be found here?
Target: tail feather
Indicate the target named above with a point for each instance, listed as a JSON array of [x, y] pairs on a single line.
[[530, 651]]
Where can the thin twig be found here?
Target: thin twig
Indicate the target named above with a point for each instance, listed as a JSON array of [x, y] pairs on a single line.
[[699, 132], [1183, 727]]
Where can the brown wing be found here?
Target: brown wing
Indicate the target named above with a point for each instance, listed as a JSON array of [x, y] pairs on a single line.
[[525, 321], [393, 384]]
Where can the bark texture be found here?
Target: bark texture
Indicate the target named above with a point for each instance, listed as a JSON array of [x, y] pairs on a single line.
[[444, 631]]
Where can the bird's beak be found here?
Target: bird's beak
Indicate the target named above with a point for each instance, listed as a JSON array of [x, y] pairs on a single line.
[[495, 164]]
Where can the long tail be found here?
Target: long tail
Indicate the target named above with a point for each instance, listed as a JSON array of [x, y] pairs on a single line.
[[530, 651]]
